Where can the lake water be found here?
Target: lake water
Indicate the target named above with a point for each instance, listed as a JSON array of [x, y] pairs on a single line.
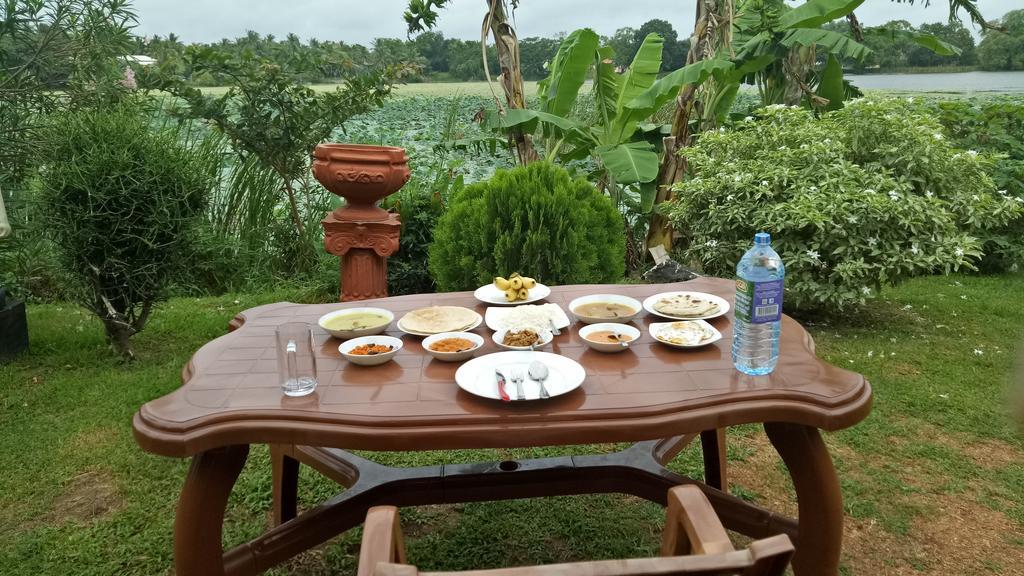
[[957, 82]]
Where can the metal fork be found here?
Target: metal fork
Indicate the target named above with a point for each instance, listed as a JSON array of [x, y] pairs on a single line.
[[517, 379]]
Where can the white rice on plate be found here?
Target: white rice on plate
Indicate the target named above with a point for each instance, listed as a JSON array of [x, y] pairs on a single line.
[[536, 317]]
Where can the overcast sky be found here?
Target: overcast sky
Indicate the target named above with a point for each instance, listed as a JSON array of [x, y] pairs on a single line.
[[360, 21]]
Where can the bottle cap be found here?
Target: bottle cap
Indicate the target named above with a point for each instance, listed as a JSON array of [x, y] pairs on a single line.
[[762, 239]]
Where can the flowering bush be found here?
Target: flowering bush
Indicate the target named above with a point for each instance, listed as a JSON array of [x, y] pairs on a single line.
[[900, 137], [846, 217]]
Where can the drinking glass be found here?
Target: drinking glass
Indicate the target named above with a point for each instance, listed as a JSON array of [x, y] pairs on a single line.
[[296, 358]]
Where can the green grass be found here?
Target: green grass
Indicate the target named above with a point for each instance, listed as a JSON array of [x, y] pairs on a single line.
[[67, 453]]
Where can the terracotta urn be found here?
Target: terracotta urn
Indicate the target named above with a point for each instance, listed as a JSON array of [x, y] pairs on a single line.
[[362, 175]]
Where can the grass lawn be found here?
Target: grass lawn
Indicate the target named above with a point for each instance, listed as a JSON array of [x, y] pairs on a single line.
[[933, 479]]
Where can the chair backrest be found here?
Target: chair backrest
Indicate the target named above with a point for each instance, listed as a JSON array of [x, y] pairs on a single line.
[[768, 557], [694, 543]]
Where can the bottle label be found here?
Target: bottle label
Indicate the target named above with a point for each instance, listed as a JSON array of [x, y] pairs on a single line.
[[758, 302]]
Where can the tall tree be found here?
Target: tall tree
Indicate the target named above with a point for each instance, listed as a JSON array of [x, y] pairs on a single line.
[[1003, 49]]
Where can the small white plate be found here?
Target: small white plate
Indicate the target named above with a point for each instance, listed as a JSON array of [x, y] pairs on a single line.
[[544, 338], [656, 327], [370, 360], [613, 298], [477, 376], [478, 321], [476, 339], [493, 316], [489, 294], [723, 305]]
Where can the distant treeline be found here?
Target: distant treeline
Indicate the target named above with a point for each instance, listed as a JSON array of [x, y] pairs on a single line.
[[439, 58]]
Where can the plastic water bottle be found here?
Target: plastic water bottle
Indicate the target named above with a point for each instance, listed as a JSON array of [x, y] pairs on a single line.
[[758, 314]]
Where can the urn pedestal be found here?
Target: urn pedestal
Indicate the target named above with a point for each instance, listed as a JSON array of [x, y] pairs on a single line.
[[361, 233]]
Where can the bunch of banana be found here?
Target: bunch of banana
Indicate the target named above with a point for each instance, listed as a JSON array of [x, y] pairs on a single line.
[[515, 287]]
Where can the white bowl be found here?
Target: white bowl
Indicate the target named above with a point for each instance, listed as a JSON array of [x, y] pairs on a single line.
[[370, 360], [614, 298], [346, 334], [545, 339], [476, 339], [624, 329]]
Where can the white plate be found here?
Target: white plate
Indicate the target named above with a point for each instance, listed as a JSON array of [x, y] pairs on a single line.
[[477, 376], [479, 320], [614, 298], [489, 294], [655, 327], [493, 316], [723, 305]]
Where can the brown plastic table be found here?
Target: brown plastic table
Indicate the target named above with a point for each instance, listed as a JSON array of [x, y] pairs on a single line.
[[659, 397]]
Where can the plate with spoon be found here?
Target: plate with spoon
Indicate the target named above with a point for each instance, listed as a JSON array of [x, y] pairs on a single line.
[[518, 376]]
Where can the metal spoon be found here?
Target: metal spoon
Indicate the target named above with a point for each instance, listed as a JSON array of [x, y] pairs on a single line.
[[618, 338], [539, 372]]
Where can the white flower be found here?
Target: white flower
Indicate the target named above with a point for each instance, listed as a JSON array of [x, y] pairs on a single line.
[[1020, 199], [865, 290], [975, 197], [1002, 192], [894, 195], [729, 198], [748, 119], [814, 188], [813, 255], [972, 153], [944, 396], [910, 100], [908, 307], [871, 353], [937, 136], [737, 178], [872, 241], [851, 219], [764, 182], [978, 352], [959, 252], [956, 156], [963, 296], [929, 194], [711, 243], [721, 129], [828, 140], [914, 249]]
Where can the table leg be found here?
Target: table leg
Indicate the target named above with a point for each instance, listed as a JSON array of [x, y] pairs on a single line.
[[199, 519], [713, 447], [819, 499], [285, 474]]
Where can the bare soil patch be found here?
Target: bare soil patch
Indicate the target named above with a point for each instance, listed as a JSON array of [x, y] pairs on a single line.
[[88, 496]]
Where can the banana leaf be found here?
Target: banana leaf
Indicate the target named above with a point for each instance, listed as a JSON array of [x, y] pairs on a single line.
[[831, 85], [641, 74], [569, 69], [630, 163], [836, 43], [666, 87], [606, 85], [814, 13], [934, 44]]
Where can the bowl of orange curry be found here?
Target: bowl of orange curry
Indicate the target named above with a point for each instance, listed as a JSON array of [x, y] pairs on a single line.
[[453, 346]]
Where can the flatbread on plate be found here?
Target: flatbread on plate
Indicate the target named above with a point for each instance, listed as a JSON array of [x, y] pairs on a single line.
[[436, 319], [686, 306]]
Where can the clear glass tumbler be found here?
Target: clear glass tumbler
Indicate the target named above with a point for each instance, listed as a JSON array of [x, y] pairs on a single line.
[[296, 358]]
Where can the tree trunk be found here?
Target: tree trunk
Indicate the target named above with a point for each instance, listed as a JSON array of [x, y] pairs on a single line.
[[511, 73]]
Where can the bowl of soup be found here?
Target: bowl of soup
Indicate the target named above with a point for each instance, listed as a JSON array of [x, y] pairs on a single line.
[[605, 308], [356, 322], [609, 336]]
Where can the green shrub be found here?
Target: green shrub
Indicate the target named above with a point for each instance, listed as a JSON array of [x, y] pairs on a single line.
[[844, 230], [536, 220], [898, 137], [120, 200]]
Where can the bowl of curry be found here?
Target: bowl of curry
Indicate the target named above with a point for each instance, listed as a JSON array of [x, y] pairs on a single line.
[[453, 346]]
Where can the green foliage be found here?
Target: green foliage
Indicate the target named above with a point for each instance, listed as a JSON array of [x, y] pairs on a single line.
[[1004, 49], [863, 197], [893, 136], [534, 219], [121, 200], [272, 123]]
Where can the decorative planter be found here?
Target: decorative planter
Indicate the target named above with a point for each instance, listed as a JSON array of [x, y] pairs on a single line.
[[360, 232], [362, 175]]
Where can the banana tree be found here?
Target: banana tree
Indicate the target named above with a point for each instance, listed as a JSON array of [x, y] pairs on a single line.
[[619, 138]]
